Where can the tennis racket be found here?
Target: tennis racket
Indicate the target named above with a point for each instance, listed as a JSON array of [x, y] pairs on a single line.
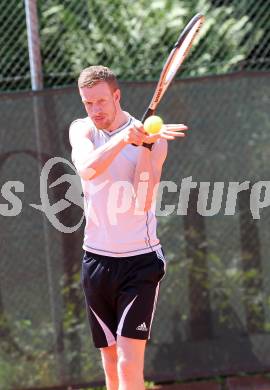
[[174, 61]]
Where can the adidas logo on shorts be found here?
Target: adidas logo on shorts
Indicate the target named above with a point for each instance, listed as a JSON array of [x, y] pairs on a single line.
[[142, 327]]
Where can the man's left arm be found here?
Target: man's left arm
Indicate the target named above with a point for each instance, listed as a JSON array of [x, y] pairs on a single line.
[[148, 172], [150, 162]]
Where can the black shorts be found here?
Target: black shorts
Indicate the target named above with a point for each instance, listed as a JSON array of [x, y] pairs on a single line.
[[121, 294]]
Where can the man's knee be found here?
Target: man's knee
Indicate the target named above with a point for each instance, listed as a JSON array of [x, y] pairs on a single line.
[[130, 357], [128, 367]]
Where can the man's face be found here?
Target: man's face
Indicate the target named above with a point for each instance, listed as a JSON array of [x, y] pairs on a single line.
[[100, 104]]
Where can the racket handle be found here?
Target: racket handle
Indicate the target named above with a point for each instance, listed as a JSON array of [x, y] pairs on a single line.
[[147, 113]]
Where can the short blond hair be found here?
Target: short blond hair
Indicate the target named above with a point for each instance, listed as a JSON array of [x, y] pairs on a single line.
[[95, 74]]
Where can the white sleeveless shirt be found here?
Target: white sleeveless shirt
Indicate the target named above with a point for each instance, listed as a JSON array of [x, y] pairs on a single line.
[[113, 227]]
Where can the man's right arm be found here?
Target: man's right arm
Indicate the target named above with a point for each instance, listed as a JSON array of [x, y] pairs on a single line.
[[91, 162]]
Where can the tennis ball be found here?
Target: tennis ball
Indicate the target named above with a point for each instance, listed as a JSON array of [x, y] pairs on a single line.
[[153, 124]]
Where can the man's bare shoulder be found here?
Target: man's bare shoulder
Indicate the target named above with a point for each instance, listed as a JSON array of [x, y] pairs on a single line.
[[81, 128]]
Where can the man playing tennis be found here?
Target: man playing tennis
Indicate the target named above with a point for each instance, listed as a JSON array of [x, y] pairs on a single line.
[[123, 261]]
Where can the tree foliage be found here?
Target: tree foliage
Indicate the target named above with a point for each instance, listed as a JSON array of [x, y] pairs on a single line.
[[134, 38]]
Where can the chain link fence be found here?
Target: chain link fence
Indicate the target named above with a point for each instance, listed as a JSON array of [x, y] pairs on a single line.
[[14, 61], [213, 316], [133, 38]]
